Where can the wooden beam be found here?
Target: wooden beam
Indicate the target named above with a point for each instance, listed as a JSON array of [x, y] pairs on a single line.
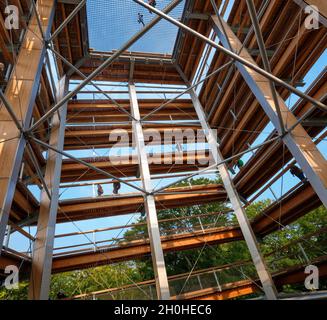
[[88, 208], [20, 93], [43, 245], [138, 248]]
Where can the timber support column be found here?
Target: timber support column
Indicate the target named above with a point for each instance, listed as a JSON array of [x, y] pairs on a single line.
[[44, 240], [20, 95], [298, 141], [159, 267], [249, 236]]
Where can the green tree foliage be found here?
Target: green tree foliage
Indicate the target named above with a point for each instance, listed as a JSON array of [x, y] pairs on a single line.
[[15, 294], [82, 281], [93, 279]]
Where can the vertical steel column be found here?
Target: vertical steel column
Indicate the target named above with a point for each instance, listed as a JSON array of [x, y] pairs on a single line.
[[43, 245], [159, 267], [298, 141], [249, 236], [20, 94]]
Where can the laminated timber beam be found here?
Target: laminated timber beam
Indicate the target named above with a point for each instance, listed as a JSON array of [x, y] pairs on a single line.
[[228, 291], [292, 275], [144, 72], [294, 205], [43, 244], [147, 67], [254, 68], [5, 42], [232, 55], [288, 209], [67, 19], [10, 41], [158, 260], [20, 94], [97, 111], [298, 141], [138, 248], [296, 275], [75, 68], [97, 136], [89, 208], [144, 67], [144, 57], [265, 60], [127, 166], [10, 257]]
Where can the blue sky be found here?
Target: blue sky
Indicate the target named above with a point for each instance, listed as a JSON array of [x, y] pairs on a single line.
[[112, 23]]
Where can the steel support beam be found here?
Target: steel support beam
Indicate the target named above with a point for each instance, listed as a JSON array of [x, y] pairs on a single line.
[[249, 236], [52, 78], [43, 246], [298, 141], [158, 261], [20, 95]]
